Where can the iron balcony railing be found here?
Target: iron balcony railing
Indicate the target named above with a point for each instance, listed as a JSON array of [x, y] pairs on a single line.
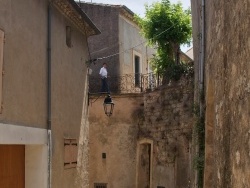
[[128, 83]]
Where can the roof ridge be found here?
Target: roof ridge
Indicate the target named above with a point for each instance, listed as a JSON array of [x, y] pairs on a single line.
[[102, 4], [109, 5]]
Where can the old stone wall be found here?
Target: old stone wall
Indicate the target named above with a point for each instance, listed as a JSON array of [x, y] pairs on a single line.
[[168, 121], [147, 141], [227, 48]]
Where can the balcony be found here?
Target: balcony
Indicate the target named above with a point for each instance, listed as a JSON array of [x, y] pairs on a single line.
[[128, 83]]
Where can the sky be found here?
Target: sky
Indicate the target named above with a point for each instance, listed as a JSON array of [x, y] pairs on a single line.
[[137, 6]]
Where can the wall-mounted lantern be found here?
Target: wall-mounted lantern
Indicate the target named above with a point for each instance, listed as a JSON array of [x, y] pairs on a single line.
[[108, 106], [108, 103]]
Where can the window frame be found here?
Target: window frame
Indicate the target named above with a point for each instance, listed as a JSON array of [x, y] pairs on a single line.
[[137, 75]]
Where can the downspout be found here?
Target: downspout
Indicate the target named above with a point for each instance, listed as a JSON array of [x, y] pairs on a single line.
[[202, 47], [201, 81], [202, 97], [49, 97]]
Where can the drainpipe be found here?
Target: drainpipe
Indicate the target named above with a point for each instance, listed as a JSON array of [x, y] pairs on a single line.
[[201, 71], [202, 47], [49, 97]]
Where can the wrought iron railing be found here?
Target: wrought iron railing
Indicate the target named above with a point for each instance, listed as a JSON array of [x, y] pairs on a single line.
[[128, 83]]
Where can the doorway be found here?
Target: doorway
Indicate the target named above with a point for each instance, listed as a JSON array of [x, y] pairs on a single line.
[[137, 70], [144, 164], [12, 165]]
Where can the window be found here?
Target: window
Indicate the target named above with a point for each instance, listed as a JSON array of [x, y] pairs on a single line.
[[137, 70], [100, 185], [68, 36], [104, 155], [1, 66], [70, 153]]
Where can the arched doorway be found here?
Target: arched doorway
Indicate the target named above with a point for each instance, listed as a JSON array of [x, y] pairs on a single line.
[[144, 163]]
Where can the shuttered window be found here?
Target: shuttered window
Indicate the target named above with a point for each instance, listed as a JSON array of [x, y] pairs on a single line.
[[70, 153]]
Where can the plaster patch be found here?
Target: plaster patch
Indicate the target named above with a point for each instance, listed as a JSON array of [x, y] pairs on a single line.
[[249, 144], [234, 69], [237, 157], [217, 109], [218, 174], [248, 88]]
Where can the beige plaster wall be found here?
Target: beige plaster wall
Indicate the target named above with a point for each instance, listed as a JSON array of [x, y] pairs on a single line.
[[25, 78], [36, 170], [25, 49], [117, 137], [68, 91], [130, 38]]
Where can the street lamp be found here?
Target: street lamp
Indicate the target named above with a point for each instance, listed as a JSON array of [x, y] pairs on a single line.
[[108, 106], [108, 103]]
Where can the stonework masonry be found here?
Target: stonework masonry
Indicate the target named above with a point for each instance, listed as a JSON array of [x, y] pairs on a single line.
[[168, 122], [227, 54], [147, 142]]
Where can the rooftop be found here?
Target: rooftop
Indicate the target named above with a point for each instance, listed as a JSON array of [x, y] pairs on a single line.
[[123, 9], [71, 10]]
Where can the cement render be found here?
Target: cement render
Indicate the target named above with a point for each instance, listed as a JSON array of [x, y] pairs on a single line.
[[117, 137], [25, 81]]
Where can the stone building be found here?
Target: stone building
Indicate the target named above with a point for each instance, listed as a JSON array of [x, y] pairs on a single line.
[[164, 149], [126, 149], [221, 41], [147, 142], [43, 93], [120, 40]]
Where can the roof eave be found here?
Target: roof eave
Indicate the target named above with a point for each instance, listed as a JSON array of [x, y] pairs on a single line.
[[72, 11]]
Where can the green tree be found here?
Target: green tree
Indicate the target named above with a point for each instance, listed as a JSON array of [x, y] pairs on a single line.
[[167, 26]]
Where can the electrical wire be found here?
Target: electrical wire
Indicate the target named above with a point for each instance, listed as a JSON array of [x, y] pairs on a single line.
[[100, 58], [112, 55]]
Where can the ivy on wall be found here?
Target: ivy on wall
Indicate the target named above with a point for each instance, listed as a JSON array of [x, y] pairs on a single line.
[[199, 137]]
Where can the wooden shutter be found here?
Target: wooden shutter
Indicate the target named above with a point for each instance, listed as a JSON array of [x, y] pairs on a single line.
[[70, 153], [12, 166]]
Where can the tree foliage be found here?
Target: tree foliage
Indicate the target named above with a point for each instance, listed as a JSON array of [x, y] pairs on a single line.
[[167, 26]]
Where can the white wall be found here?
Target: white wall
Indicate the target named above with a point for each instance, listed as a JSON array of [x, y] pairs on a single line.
[[35, 141]]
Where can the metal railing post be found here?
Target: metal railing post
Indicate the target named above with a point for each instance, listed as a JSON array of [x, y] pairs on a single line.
[[128, 83], [141, 82]]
